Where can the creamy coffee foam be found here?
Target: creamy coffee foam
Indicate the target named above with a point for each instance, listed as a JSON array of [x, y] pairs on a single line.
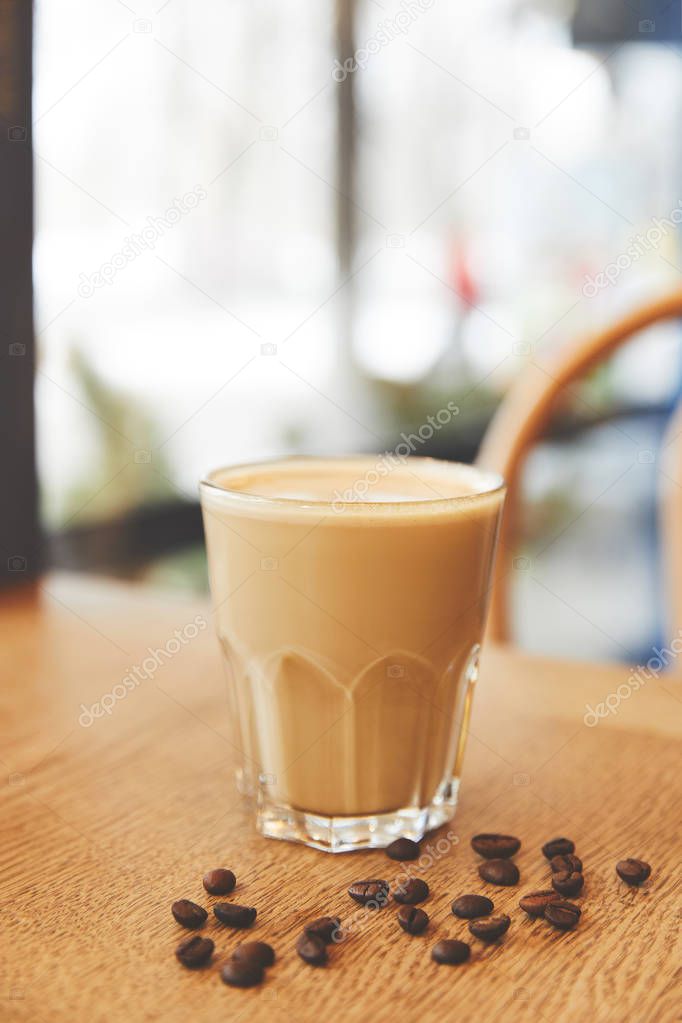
[[362, 480], [351, 627]]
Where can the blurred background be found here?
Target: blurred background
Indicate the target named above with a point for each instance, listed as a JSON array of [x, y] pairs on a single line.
[[265, 228]]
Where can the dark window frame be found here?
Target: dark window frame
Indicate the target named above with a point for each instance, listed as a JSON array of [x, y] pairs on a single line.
[[20, 547]]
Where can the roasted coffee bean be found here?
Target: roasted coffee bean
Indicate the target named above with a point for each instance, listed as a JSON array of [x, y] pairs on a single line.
[[450, 952], [470, 906], [233, 915], [567, 882], [255, 952], [188, 914], [633, 871], [558, 847], [502, 872], [413, 920], [570, 863], [194, 951], [326, 928], [373, 893], [402, 849], [411, 892], [490, 928], [312, 950], [535, 903], [240, 973], [219, 881], [494, 847], [563, 915]]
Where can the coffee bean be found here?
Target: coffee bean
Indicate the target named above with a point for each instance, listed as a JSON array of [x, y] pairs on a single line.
[[451, 952], [188, 914], [369, 893], [255, 952], [402, 849], [219, 881], [194, 951], [567, 882], [558, 847], [240, 973], [563, 915], [413, 920], [495, 846], [490, 928], [570, 863], [412, 891], [326, 928], [535, 903], [312, 950], [633, 871], [470, 906], [234, 916], [502, 872]]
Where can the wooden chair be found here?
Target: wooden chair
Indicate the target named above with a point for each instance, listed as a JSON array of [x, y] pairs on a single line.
[[523, 416]]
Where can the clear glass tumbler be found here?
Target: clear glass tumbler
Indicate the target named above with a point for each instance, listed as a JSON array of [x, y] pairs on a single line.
[[350, 597]]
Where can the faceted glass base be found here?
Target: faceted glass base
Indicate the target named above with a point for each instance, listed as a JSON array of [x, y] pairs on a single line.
[[343, 834]]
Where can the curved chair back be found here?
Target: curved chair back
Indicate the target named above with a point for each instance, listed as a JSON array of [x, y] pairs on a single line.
[[523, 417]]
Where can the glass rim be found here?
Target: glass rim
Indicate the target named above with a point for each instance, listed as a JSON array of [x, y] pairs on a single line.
[[209, 485]]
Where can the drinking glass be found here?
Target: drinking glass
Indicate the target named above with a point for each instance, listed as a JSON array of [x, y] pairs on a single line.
[[351, 627]]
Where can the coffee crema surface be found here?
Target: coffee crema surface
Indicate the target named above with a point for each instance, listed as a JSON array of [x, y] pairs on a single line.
[[350, 605], [326, 482]]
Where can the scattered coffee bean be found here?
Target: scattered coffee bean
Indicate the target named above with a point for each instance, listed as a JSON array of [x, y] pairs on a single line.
[[633, 871], [412, 919], [312, 950], [326, 928], [570, 863], [535, 903], [188, 914], [255, 952], [233, 915], [369, 893], [558, 847], [219, 881], [490, 928], [240, 973], [402, 849], [450, 952], [495, 846], [502, 872], [567, 882], [194, 951], [563, 915], [413, 891], [470, 906]]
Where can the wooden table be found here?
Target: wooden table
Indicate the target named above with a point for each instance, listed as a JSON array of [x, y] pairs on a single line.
[[104, 826]]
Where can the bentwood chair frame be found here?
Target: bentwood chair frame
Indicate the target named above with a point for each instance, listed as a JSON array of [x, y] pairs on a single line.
[[523, 417]]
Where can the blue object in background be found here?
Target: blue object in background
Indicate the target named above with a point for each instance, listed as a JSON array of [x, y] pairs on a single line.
[[620, 21]]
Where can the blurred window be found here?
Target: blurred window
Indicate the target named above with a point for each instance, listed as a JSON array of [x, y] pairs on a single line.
[[266, 228]]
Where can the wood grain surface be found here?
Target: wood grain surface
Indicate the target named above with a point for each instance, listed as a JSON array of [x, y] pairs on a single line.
[[104, 826]]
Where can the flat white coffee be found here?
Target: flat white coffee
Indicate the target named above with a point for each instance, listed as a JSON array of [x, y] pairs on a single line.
[[350, 607]]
